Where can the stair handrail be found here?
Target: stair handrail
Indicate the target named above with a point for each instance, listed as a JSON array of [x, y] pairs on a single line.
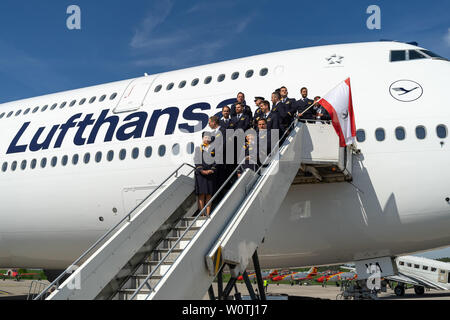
[[73, 266], [146, 281]]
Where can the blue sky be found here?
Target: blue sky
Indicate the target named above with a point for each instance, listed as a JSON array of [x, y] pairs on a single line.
[[120, 40]]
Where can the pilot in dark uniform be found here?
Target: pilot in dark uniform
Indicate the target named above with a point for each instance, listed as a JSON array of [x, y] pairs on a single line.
[[272, 118], [282, 110], [225, 121], [246, 109], [264, 142], [319, 111], [218, 143], [290, 104], [258, 113], [205, 173], [241, 120], [303, 104]]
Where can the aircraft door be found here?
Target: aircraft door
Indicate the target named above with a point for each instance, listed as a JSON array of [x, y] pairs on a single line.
[[134, 95], [443, 276]]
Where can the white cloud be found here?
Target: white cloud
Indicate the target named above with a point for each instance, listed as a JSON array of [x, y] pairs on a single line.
[[157, 15], [447, 37]]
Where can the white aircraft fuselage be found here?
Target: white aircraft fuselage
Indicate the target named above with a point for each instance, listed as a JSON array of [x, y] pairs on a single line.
[[396, 203]]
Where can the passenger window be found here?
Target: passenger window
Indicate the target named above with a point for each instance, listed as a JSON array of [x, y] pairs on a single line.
[[54, 161], [195, 82], [75, 159], [5, 166], [380, 135], [360, 135], [26, 112], [176, 149], [190, 148], [416, 266], [182, 84], [148, 152], [54, 106], [235, 75], [9, 114], [409, 264], [221, 78], [87, 158], [110, 156], [2, 115], [414, 55], [398, 55], [122, 154], [135, 153], [421, 133], [433, 269], [441, 131], [102, 98], [158, 88], [162, 150], [33, 164], [113, 96], [264, 72], [98, 157], [401, 263], [400, 133], [14, 165], [208, 80], [44, 108], [18, 112], [425, 268], [82, 101], [43, 163], [249, 74], [35, 109], [92, 100], [62, 105], [170, 86], [72, 103], [64, 160]]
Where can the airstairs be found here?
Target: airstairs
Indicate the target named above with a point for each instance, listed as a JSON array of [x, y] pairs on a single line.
[[160, 251]]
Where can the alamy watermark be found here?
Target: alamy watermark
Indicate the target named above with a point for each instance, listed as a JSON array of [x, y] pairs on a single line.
[[374, 20], [73, 22]]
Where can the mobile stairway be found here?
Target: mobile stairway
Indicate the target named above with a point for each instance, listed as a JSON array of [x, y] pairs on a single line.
[[160, 251]]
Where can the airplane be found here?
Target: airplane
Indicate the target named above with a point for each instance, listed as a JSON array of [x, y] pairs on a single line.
[[74, 163], [14, 274], [296, 277], [264, 274], [421, 273]]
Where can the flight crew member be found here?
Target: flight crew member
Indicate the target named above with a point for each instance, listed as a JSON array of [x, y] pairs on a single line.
[[246, 109], [304, 103], [264, 141], [250, 153], [241, 120], [290, 103], [205, 173], [319, 111], [272, 118], [281, 109], [219, 146], [258, 113], [225, 121]]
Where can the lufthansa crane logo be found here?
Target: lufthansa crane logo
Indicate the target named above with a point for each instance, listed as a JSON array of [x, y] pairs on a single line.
[[406, 90]]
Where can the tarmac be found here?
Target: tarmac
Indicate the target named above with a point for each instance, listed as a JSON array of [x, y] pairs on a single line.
[[18, 290]]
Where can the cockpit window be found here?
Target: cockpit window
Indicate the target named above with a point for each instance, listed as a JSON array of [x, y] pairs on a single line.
[[405, 55], [431, 54], [414, 55], [398, 55]]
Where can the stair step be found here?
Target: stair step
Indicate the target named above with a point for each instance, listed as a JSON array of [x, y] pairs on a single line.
[[126, 294]]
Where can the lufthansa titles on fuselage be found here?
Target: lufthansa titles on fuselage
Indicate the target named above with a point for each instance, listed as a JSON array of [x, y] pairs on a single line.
[[134, 126]]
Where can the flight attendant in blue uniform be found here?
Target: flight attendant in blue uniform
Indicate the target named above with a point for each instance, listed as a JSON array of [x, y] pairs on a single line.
[[249, 151], [205, 173]]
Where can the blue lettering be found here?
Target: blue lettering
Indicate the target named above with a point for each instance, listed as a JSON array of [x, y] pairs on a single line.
[[113, 121], [36, 146], [13, 147], [173, 113], [202, 118], [82, 125], [138, 126]]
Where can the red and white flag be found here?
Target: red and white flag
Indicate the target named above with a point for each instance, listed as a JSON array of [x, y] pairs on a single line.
[[338, 102]]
